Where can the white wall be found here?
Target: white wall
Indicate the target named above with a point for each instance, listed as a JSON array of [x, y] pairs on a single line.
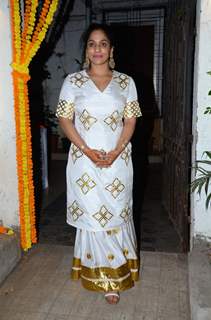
[[9, 210], [201, 218]]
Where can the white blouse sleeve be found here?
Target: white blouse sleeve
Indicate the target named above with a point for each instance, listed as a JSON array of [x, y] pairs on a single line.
[[132, 108], [66, 106]]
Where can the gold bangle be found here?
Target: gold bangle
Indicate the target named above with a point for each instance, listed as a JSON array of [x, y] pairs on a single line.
[[82, 147], [124, 145]]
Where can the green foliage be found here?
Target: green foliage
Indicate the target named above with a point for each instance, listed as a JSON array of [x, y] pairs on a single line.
[[208, 110], [203, 179]]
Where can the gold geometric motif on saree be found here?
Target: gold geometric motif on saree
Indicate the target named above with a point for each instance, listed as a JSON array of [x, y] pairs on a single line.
[[115, 188], [112, 120], [125, 214], [78, 79], [75, 152], [113, 231], [89, 256], [110, 256], [122, 80], [65, 109], [125, 252], [86, 183], [126, 155], [103, 216], [87, 120], [132, 109], [75, 211]]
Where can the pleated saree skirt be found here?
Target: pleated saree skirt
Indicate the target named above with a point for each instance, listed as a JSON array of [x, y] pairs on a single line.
[[106, 260]]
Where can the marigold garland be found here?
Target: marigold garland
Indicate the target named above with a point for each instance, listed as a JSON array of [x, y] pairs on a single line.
[[25, 44]]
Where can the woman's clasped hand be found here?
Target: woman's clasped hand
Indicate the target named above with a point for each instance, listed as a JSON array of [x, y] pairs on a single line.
[[101, 158]]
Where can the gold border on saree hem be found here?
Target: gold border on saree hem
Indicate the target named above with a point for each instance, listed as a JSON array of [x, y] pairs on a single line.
[[135, 275], [106, 279], [105, 286], [132, 263], [78, 274], [75, 274], [105, 272], [76, 262]]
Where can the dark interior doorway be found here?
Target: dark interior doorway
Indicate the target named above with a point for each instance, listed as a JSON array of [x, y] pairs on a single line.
[[134, 55], [134, 50]]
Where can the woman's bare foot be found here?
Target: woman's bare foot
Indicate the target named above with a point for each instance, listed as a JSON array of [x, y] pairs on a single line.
[[112, 297]]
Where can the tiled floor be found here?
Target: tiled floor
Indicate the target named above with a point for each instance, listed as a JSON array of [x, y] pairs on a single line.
[[40, 289]]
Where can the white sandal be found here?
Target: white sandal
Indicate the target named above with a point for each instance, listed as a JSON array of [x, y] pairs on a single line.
[[110, 294]]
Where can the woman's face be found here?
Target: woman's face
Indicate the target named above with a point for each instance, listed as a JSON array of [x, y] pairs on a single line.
[[98, 48]]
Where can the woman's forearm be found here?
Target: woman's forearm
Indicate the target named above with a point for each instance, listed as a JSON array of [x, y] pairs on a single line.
[[71, 133], [126, 135]]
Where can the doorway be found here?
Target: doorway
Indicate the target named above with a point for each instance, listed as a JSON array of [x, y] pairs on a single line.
[[161, 153], [134, 55]]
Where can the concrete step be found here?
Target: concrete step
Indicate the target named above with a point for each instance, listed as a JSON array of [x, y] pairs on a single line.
[[10, 254], [200, 280]]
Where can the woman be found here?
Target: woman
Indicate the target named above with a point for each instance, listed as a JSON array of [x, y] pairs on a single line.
[[97, 111]]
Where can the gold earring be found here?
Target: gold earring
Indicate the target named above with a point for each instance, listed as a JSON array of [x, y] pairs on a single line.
[[86, 63], [111, 61]]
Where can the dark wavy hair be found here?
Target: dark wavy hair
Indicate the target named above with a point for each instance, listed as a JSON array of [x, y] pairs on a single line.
[[93, 27]]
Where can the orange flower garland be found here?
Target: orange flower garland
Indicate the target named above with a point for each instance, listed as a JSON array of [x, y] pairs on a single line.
[[25, 44]]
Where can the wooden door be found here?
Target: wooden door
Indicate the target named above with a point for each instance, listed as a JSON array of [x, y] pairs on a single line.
[[177, 113]]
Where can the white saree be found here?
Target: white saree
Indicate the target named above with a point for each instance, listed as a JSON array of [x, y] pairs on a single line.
[[99, 201]]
